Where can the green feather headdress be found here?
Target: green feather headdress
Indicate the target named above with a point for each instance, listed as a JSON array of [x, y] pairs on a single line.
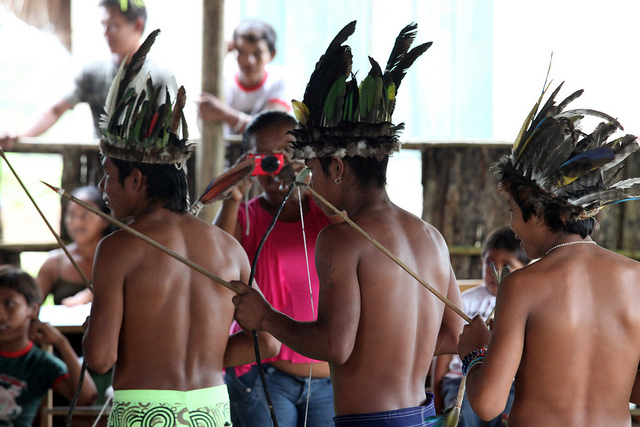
[[340, 118], [136, 125], [553, 162]]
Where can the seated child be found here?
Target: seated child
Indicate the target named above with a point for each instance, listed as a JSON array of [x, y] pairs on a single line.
[[27, 372], [57, 275], [502, 248]]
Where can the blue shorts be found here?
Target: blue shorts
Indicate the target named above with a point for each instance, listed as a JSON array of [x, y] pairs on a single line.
[[406, 417]]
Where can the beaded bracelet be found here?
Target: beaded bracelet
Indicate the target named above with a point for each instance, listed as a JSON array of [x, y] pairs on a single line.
[[476, 356]]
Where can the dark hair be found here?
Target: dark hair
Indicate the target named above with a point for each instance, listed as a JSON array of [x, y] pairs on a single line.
[[265, 120], [254, 30], [94, 195], [504, 238], [368, 171], [533, 200], [165, 183], [11, 277], [553, 209], [135, 9]]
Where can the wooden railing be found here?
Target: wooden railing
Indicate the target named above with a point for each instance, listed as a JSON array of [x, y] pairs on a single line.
[[458, 188]]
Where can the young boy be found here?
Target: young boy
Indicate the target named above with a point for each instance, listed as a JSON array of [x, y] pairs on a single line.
[[376, 326], [26, 370], [500, 249], [164, 326], [255, 87], [282, 273], [567, 326]]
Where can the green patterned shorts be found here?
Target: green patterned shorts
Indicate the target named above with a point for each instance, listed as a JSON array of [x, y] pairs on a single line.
[[207, 407]]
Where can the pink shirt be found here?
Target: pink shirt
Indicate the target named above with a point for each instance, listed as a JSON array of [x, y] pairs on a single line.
[[281, 271]]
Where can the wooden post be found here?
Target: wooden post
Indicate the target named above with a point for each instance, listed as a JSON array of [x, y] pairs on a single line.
[[210, 153]]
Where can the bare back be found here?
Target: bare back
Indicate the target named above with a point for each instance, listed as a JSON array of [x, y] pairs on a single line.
[[400, 321], [581, 310], [174, 320]]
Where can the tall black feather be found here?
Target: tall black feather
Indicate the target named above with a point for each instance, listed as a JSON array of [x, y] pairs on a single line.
[[137, 61], [399, 71], [336, 61], [401, 46]]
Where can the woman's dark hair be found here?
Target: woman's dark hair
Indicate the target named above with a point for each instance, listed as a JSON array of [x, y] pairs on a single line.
[[17, 280], [93, 195], [165, 183], [504, 238], [369, 171], [264, 120]]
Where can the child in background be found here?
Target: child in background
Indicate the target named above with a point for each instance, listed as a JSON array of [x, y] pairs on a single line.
[[57, 275], [27, 372], [502, 249]]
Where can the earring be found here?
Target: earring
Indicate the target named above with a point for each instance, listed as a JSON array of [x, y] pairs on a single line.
[[338, 180]]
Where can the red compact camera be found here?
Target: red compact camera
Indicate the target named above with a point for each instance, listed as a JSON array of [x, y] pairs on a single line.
[[267, 164]]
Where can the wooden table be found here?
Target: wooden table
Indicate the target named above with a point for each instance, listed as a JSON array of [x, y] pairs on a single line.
[[68, 320]]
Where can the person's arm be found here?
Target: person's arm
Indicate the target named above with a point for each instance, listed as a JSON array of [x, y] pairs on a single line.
[[45, 333], [439, 369], [46, 119], [227, 218], [211, 108], [452, 323], [332, 336], [48, 273], [83, 297], [489, 383], [102, 329], [240, 350]]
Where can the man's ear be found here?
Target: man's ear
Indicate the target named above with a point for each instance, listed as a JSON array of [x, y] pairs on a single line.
[[140, 24], [136, 179], [35, 310], [273, 55], [337, 165]]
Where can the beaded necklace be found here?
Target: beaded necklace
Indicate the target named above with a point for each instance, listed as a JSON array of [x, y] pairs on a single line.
[[569, 243]]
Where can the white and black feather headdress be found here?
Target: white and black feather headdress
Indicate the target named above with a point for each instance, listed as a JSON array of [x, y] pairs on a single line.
[[140, 122], [554, 161]]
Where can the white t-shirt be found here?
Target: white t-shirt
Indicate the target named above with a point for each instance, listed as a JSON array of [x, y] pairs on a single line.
[[254, 100]]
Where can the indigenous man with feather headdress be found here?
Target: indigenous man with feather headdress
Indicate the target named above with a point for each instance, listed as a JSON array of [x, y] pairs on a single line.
[[376, 326], [567, 327], [162, 326]]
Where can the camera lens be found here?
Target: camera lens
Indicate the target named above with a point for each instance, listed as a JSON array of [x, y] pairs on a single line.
[[270, 163]]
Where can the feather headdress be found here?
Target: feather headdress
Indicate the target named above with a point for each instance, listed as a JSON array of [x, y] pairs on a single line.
[[556, 162], [340, 118], [136, 125]]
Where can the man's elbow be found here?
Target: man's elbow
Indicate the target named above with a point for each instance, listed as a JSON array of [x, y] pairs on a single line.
[[485, 405], [270, 347], [99, 361], [336, 352]]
